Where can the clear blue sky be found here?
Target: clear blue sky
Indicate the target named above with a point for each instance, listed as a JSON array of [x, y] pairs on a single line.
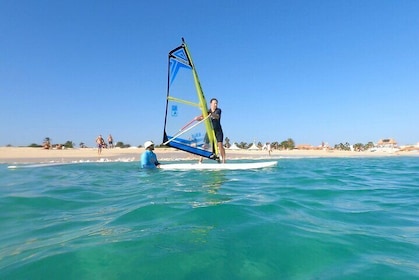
[[313, 71]]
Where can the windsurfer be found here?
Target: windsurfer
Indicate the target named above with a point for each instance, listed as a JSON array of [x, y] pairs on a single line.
[[215, 113]]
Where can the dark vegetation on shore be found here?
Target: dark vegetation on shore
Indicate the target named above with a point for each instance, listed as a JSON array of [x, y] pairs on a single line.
[[288, 144]]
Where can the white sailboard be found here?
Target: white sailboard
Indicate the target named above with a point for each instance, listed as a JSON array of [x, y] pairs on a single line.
[[185, 101], [19, 166], [218, 166]]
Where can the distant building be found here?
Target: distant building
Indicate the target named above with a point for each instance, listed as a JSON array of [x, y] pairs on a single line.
[[386, 145], [307, 147]]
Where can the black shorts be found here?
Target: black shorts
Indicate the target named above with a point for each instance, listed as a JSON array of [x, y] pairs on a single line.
[[219, 135]]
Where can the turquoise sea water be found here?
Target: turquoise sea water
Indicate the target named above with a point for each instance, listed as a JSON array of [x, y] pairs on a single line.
[[325, 218]]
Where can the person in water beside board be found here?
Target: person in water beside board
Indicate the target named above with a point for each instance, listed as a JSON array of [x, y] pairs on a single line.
[[215, 113], [149, 158]]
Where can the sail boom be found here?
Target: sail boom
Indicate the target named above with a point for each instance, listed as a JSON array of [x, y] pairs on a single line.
[[171, 98]]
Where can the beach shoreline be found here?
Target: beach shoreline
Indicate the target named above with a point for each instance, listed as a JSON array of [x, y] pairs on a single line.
[[14, 155]]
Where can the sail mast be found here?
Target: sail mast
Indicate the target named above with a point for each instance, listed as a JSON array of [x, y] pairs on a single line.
[[202, 101]]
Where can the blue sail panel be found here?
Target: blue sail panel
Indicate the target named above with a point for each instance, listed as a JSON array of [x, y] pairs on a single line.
[[175, 65], [186, 146]]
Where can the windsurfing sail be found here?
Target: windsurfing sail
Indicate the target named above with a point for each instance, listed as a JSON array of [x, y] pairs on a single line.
[[187, 125]]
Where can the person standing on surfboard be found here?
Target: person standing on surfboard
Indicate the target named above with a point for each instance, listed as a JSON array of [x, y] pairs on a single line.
[[215, 113], [149, 158]]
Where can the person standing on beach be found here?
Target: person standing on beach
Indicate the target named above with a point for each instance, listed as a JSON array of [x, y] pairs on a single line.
[[99, 142], [215, 113], [110, 141], [269, 148], [149, 158]]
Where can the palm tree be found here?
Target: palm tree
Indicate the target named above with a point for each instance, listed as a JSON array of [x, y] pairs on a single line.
[[69, 144], [359, 147], [343, 147], [290, 143], [287, 144], [242, 145], [369, 145], [227, 143], [275, 145], [47, 143]]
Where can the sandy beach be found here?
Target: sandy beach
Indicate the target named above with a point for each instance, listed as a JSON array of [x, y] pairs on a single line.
[[11, 155]]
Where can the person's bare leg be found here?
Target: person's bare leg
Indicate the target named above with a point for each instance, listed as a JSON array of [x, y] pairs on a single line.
[[222, 151]]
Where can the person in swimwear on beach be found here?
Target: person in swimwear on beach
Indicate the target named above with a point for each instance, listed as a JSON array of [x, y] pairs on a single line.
[[99, 142], [110, 141]]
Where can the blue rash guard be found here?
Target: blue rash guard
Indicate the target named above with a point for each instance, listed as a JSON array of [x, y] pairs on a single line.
[[149, 160]]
